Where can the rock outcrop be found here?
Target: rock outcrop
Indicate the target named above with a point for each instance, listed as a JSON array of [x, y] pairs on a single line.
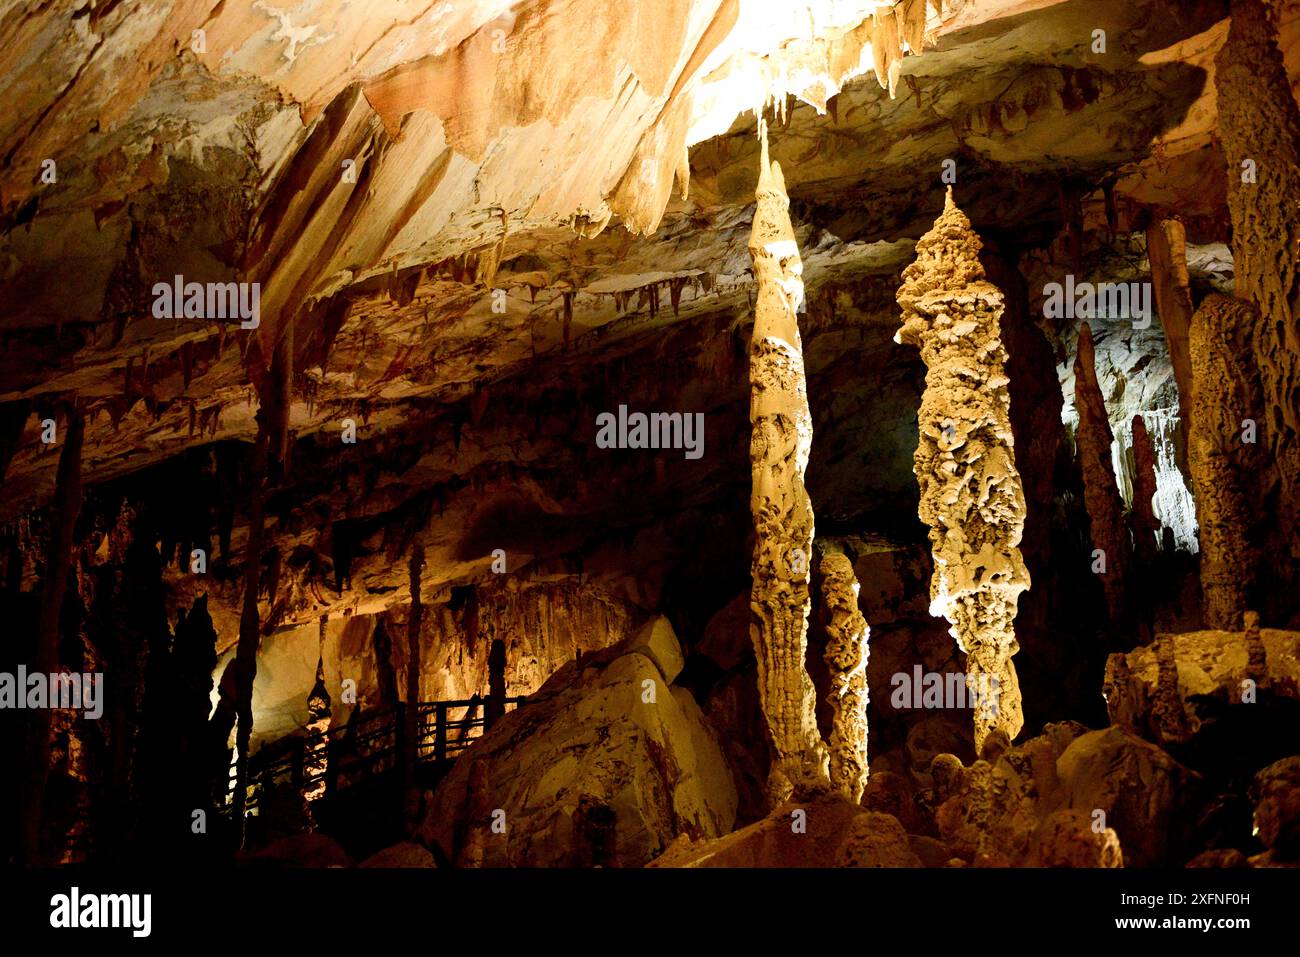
[[1183, 687], [965, 462], [605, 765], [780, 443]]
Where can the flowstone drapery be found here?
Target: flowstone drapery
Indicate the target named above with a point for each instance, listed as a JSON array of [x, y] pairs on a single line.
[[971, 495], [783, 519]]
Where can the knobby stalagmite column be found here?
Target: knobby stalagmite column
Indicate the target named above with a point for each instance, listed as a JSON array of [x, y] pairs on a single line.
[[783, 519], [1259, 125], [846, 660], [965, 463], [1225, 469], [58, 562], [1101, 495]]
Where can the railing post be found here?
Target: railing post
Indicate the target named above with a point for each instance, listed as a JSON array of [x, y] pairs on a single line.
[[440, 732]]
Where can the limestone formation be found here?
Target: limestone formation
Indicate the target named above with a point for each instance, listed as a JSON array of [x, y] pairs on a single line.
[[1143, 517], [1186, 686], [1225, 467], [316, 757], [1167, 253], [783, 519], [1260, 131], [965, 463], [1100, 492], [846, 660], [606, 764]]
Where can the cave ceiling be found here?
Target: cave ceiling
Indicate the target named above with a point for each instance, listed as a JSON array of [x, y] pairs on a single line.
[[382, 168]]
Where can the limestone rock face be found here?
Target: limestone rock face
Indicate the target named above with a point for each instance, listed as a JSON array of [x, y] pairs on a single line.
[[827, 832], [971, 495], [605, 765], [1175, 690], [780, 442]]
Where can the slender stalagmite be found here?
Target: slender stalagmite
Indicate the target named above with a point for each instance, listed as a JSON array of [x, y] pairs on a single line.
[[1167, 253], [965, 462], [1259, 124], [1145, 524], [846, 660], [317, 752], [411, 710], [783, 519], [58, 562], [1101, 495], [272, 424], [1225, 400]]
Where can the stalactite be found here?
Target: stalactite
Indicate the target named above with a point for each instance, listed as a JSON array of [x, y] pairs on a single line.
[[1226, 469], [1260, 130], [846, 653], [783, 519], [1100, 492], [971, 495], [58, 562]]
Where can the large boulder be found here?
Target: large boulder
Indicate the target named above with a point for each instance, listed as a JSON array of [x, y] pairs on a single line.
[[828, 832], [1277, 807], [604, 765]]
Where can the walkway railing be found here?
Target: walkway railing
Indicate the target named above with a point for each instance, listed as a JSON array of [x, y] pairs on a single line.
[[369, 744]]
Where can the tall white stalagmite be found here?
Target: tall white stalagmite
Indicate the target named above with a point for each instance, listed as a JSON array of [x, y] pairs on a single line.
[[783, 517], [965, 464]]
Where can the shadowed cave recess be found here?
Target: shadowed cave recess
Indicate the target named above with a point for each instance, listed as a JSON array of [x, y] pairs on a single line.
[[673, 433]]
